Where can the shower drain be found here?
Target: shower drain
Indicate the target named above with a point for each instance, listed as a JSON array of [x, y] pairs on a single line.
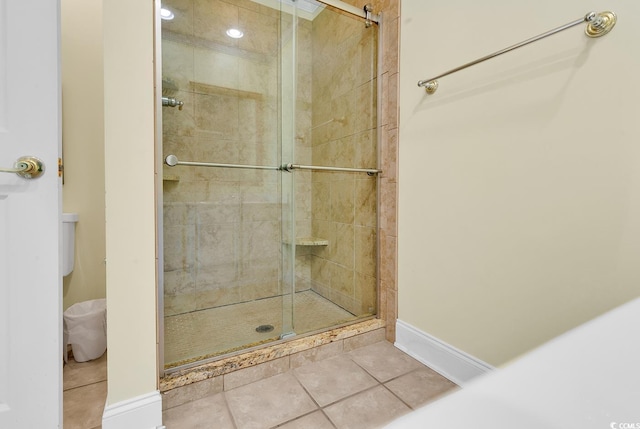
[[264, 328]]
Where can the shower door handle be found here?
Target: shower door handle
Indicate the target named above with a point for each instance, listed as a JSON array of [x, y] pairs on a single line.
[[28, 167]]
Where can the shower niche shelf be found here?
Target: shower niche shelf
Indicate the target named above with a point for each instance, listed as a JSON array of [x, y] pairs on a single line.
[[311, 241]]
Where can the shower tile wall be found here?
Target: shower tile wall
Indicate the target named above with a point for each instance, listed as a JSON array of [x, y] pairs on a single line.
[[344, 134], [222, 226], [388, 125]]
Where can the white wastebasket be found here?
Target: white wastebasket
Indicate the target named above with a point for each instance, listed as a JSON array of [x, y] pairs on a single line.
[[85, 328]]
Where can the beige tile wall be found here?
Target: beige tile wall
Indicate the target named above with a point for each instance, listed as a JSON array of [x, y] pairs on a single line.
[[344, 123], [388, 125], [388, 152], [222, 226]]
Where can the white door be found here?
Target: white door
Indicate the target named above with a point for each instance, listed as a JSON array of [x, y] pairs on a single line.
[[30, 268]]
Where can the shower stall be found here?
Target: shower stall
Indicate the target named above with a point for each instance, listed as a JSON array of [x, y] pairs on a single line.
[[268, 202]]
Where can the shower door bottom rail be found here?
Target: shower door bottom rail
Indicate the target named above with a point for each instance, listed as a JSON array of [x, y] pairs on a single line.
[[172, 161]]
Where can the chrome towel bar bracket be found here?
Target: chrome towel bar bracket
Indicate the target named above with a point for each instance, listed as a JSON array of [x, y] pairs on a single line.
[[598, 24]]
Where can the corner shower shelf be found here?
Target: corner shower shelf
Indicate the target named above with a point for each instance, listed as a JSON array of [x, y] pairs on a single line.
[[170, 178], [311, 241]]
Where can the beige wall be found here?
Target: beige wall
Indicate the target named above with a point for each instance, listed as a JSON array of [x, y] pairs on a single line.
[[519, 203], [120, 90], [130, 202], [83, 145]]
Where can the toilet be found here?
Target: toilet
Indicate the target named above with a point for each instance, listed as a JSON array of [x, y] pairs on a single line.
[[84, 323], [69, 221]]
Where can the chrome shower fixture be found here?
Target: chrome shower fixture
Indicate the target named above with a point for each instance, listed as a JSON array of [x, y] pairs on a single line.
[[172, 102]]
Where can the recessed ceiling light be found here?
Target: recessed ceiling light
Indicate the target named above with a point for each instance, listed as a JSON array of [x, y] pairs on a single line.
[[235, 33], [166, 14]]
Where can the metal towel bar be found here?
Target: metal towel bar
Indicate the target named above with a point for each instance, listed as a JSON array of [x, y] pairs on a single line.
[[598, 24], [172, 161], [291, 167]]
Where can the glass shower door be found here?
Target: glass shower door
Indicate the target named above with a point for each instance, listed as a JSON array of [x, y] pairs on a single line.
[[225, 279], [329, 144], [287, 121], [335, 161], [269, 129]]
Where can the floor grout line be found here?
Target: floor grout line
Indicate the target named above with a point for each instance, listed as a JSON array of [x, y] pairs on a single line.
[[84, 385], [328, 418], [406, 373], [297, 418], [304, 388], [363, 368], [393, 393], [226, 404], [350, 396]]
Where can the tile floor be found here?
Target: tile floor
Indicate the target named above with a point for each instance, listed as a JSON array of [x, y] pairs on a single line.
[[85, 393], [361, 389]]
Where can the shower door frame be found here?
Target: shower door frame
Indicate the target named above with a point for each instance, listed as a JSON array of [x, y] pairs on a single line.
[[160, 161], [157, 58]]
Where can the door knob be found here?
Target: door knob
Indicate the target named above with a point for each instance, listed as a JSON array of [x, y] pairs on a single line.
[[28, 167]]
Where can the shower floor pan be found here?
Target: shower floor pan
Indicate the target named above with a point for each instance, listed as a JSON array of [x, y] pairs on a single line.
[[203, 334]]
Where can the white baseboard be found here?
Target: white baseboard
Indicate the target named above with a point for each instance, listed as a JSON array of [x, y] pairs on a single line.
[[443, 358], [143, 412]]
